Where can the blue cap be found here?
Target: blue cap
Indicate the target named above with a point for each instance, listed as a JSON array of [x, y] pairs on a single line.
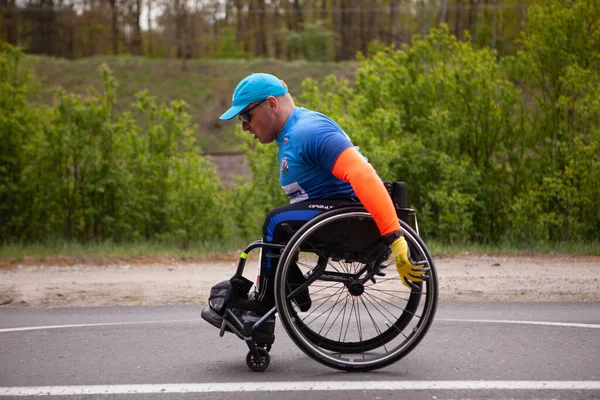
[[253, 88]]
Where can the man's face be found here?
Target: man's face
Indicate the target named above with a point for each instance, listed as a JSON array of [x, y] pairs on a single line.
[[258, 119]]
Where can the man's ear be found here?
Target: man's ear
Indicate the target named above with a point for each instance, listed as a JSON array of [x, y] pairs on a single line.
[[272, 102]]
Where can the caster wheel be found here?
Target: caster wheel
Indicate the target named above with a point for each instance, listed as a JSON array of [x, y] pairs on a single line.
[[260, 364]]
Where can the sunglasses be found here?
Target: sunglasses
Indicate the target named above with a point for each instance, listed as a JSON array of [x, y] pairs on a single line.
[[245, 116]]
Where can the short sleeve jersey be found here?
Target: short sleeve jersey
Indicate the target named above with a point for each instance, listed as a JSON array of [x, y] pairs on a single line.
[[309, 145]]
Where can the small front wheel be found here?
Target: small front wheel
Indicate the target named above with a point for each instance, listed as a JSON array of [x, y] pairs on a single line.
[[258, 364]]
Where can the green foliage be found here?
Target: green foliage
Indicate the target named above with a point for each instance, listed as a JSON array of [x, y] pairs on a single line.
[[318, 42], [314, 43], [228, 47], [436, 115], [375, 46], [484, 161], [492, 151], [76, 180], [250, 201], [176, 194], [559, 66], [86, 174], [194, 202], [19, 121]]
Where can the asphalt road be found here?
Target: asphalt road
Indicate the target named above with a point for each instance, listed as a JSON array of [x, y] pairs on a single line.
[[473, 350]]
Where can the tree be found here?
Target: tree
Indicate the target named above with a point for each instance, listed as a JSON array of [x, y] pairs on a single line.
[[9, 21], [114, 13]]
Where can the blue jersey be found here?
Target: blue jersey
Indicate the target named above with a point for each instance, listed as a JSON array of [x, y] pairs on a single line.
[[309, 145]]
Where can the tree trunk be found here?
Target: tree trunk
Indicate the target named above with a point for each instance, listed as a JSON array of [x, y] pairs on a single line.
[[364, 26], [500, 28], [149, 28], [299, 15], [114, 28], [395, 22], [442, 16], [472, 25], [338, 28], [406, 15], [137, 31], [71, 22], [494, 24], [346, 51], [44, 34], [278, 47], [261, 33], [239, 20], [227, 13], [423, 18], [324, 13], [458, 22], [10, 22]]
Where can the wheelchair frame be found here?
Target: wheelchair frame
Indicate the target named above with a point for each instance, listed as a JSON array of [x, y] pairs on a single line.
[[357, 355]]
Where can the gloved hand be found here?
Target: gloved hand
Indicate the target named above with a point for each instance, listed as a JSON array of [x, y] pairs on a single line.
[[408, 272]]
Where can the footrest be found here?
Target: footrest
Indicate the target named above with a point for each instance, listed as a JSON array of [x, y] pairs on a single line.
[[247, 305]]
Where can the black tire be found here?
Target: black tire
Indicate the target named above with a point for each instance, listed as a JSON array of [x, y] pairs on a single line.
[[369, 346], [259, 364]]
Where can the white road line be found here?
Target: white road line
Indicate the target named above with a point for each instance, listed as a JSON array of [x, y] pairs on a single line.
[[37, 328], [489, 321], [501, 321], [295, 386]]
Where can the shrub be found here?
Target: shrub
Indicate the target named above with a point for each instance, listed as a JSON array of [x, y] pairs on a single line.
[[19, 121]]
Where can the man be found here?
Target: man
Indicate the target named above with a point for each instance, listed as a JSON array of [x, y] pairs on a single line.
[[320, 169]]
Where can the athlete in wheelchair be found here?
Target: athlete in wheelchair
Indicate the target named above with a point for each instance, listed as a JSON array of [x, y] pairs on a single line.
[[325, 256]]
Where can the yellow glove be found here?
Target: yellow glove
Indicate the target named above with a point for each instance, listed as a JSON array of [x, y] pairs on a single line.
[[408, 271]]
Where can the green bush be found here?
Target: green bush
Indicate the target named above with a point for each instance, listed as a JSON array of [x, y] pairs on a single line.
[[252, 198], [483, 160], [492, 151], [79, 172], [438, 115], [559, 66], [314, 43], [228, 47], [19, 121]]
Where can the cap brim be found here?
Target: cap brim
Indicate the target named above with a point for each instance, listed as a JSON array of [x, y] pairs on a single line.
[[232, 112]]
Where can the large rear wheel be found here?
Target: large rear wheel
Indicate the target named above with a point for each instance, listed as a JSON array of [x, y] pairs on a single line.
[[361, 316]]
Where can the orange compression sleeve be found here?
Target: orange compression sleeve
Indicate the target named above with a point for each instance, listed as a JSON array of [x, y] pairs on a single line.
[[354, 169]]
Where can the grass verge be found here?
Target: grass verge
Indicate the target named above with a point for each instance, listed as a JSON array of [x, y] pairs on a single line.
[[63, 252], [567, 248]]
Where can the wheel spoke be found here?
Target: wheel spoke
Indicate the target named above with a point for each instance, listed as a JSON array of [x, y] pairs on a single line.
[[343, 319], [327, 319], [375, 325], [320, 305], [393, 305], [337, 316], [349, 318], [383, 315], [333, 266], [358, 322], [389, 292]]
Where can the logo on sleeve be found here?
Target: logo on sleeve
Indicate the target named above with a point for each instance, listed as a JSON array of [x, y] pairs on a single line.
[[284, 166]]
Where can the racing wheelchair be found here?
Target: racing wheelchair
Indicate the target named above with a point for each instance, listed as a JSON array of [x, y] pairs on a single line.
[[360, 316]]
